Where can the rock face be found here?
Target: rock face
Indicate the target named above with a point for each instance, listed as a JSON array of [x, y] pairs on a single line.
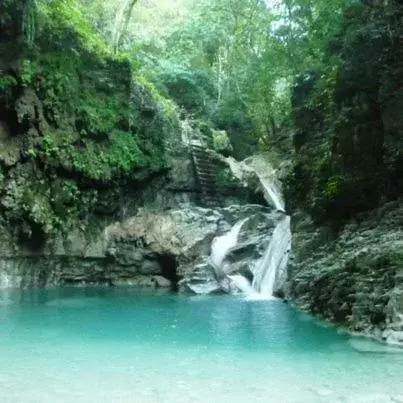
[[163, 242], [152, 248], [352, 276]]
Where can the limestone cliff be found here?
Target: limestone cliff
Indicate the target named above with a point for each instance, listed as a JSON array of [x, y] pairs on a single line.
[[80, 129], [353, 275], [343, 188]]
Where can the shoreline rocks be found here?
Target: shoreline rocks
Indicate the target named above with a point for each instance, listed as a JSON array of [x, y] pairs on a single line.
[[354, 276]]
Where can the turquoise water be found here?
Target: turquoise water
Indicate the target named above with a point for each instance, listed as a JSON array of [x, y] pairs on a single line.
[[128, 345]]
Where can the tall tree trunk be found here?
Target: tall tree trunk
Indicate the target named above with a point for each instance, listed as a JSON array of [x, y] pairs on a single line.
[[122, 22]]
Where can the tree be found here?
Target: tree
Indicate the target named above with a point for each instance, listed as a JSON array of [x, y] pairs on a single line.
[[122, 22]]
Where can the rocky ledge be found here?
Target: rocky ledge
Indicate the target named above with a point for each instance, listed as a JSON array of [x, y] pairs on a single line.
[[152, 248]]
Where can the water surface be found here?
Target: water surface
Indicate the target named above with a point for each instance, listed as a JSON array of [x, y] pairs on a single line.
[[129, 345]]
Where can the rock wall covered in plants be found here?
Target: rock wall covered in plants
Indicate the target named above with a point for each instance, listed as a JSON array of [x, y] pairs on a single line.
[[78, 126], [344, 187]]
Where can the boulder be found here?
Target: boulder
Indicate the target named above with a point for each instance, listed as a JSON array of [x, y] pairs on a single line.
[[161, 282]]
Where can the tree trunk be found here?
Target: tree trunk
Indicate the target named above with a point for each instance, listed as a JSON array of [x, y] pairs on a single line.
[[122, 22]]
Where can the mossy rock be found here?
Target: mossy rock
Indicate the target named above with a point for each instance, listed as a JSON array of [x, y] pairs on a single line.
[[83, 122]]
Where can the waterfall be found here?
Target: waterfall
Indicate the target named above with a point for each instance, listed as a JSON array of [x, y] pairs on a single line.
[[267, 177], [271, 265], [272, 193], [244, 286], [274, 259], [222, 244]]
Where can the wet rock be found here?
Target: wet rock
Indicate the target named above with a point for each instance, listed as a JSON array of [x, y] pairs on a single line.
[[151, 243], [201, 280], [162, 282], [183, 234]]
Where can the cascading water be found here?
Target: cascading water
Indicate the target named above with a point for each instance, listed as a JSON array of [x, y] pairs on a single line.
[[222, 244], [274, 259], [268, 179], [270, 268], [273, 193], [244, 285]]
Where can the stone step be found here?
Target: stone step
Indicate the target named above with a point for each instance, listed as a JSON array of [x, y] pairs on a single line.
[[207, 188], [201, 273], [199, 148], [207, 185], [204, 165], [206, 175], [204, 169], [203, 162], [205, 172], [201, 279], [201, 155], [206, 181], [199, 151], [209, 194]]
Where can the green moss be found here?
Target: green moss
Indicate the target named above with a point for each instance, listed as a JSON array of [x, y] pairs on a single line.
[[221, 142], [104, 124], [64, 23], [332, 187], [102, 128]]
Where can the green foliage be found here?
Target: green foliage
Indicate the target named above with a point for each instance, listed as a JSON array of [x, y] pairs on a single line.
[[232, 65], [191, 89], [101, 126], [28, 197], [98, 132], [29, 21], [343, 137], [322, 96], [333, 187], [6, 82], [246, 68], [97, 161], [221, 142], [233, 117], [41, 204], [27, 72], [63, 23]]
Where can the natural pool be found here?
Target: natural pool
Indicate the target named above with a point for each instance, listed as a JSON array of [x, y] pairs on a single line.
[[129, 345]]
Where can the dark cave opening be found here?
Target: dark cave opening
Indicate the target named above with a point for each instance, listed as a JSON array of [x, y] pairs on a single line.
[[169, 266]]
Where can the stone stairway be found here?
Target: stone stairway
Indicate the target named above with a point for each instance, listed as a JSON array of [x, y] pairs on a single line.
[[205, 173]]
